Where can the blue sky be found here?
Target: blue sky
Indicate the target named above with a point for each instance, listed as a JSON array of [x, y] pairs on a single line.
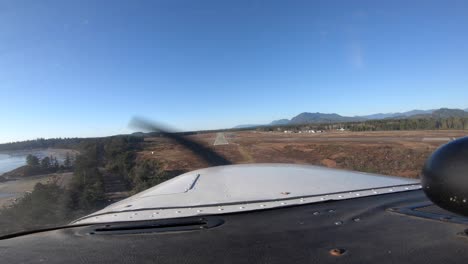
[[84, 68]]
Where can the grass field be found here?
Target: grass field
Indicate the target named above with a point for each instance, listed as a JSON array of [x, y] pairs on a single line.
[[400, 153]]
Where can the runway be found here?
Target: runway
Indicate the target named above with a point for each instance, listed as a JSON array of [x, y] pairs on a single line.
[[220, 140]]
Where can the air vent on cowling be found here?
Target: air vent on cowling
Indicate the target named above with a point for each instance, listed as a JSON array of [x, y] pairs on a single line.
[[158, 226]]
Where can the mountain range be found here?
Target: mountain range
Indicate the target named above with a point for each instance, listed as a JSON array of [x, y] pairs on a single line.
[[311, 118]]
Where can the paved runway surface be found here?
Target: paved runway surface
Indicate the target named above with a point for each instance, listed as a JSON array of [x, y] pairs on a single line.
[[220, 139]]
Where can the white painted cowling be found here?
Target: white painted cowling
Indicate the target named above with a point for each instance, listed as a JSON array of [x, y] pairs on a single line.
[[233, 188]]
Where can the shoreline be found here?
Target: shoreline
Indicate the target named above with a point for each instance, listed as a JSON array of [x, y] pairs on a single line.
[[59, 153], [12, 190]]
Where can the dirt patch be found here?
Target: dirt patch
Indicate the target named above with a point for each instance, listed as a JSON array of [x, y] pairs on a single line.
[[329, 163]]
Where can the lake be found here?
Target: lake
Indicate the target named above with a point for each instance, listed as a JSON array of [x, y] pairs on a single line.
[[10, 162], [14, 159]]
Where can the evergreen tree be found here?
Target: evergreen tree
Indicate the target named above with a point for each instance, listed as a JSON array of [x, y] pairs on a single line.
[[67, 161], [45, 163], [32, 160]]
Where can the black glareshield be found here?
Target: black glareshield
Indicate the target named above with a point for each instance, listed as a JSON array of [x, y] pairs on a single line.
[[205, 153], [445, 176]]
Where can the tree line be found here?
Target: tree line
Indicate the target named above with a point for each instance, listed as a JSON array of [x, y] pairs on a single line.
[[41, 143], [37, 166], [48, 164], [456, 123]]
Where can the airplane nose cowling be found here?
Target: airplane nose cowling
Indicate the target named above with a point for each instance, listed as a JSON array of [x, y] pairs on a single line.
[[445, 176]]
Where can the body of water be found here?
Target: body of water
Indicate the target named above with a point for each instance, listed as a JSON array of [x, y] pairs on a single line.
[[15, 159], [6, 195], [10, 162]]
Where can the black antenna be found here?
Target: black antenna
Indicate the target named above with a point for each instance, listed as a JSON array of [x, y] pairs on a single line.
[[207, 154]]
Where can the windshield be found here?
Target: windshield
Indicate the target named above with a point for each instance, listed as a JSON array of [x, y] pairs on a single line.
[[357, 85]]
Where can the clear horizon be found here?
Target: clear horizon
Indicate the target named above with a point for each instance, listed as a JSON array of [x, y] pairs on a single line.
[[265, 123], [84, 69]]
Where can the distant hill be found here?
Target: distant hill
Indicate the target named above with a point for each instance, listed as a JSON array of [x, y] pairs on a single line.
[[393, 117], [443, 113], [138, 134], [247, 126], [446, 112], [314, 118], [279, 122], [418, 112], [380, 116], [309, 118], [397, 115]]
